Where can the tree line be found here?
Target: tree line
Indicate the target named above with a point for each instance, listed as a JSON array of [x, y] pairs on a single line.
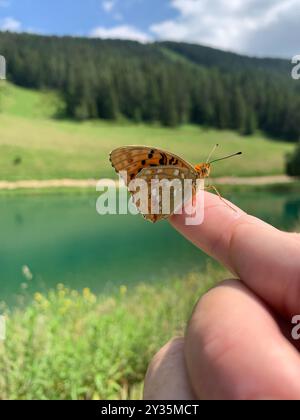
[[169, 83]]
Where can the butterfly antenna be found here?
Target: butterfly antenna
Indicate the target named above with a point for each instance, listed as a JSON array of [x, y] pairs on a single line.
[[212, 152], [227, 157]]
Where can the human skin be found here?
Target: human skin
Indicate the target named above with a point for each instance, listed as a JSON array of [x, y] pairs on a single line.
[[238, 343]]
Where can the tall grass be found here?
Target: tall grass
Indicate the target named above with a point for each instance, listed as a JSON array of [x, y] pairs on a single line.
[[70, 345]]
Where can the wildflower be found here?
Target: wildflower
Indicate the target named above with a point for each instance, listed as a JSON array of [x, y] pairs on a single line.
[[38, 297], [89, 296], [86, 293], [123, 290]]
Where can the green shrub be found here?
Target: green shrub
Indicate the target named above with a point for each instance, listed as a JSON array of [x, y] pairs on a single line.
[[293, 163], [70, 345]]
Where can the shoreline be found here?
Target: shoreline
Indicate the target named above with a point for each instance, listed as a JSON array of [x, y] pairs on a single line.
[[92, 183]]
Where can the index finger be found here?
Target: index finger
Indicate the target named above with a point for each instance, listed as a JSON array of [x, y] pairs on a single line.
[[264, 258]]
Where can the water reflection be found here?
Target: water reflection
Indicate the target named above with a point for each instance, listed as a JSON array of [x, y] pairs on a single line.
[[292, 210]]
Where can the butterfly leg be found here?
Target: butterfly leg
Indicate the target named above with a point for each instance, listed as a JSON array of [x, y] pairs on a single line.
[[212, 187]]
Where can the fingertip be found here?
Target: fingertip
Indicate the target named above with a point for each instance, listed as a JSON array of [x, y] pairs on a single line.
[[213, 234]]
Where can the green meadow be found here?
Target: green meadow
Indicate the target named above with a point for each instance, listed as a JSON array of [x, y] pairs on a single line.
[[35, 144]]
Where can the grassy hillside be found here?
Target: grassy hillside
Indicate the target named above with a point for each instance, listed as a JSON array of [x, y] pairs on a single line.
[[19, 102], [35, 146]]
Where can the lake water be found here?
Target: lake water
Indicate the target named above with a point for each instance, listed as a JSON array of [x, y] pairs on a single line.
[[63, 240]]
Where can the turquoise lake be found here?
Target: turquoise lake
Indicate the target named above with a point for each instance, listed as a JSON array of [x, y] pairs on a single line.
[[62, 239]]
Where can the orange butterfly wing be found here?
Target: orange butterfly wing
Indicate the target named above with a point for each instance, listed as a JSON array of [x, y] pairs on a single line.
[[132, 159], [148, 163]]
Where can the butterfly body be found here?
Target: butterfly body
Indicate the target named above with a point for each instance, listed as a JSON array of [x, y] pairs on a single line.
[[203, 170]]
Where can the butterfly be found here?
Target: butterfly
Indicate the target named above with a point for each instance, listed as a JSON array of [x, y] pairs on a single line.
[[150, 163]]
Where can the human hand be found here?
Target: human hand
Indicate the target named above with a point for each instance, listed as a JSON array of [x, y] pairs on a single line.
[[238, 343]]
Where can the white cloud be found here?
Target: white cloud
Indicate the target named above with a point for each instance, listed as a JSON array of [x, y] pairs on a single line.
[[120, 32], [108, 5], [228, 24], [10, 24]]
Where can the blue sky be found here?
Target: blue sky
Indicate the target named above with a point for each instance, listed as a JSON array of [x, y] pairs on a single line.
[[255, 27], [81, 17]]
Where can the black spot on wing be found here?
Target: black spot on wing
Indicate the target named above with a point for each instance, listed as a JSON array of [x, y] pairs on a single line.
[[173, 161], [151, 154], [163, 160]]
